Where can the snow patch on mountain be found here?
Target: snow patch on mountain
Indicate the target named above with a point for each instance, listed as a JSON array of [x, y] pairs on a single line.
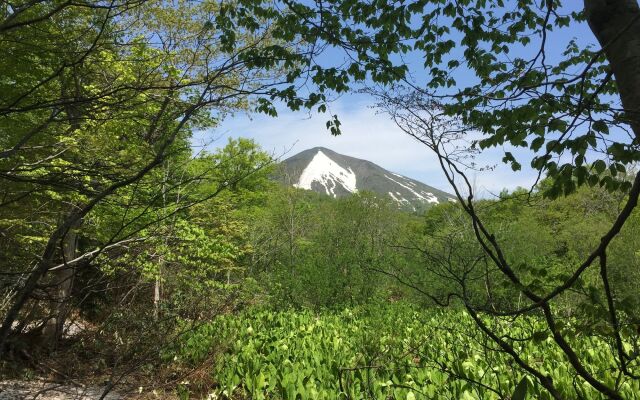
[[398, 199], [425, 196], [327, 173]]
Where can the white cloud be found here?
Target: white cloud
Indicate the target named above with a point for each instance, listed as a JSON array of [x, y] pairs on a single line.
[[367, 135]]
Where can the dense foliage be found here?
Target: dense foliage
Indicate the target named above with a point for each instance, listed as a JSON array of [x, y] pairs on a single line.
[[380, 352], [320, 252]]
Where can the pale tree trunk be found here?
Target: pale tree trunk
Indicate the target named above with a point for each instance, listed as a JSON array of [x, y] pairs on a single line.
[[156, 293], [63, 282], [616, 24]]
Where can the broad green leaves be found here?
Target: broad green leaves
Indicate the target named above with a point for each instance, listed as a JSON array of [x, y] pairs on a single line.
[[379, 352]]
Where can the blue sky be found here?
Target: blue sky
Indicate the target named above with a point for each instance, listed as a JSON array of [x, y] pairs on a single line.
[[370, 135]]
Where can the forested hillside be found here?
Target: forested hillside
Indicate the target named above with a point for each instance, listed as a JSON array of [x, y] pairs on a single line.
[[136, 264]]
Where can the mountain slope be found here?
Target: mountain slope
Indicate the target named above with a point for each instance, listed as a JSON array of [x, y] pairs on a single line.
[[325, 171]]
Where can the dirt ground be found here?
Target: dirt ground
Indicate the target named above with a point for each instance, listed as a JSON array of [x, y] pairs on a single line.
[[47, 390]]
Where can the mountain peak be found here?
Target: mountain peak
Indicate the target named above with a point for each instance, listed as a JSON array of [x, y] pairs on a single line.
[[327, 173], [324, 171]]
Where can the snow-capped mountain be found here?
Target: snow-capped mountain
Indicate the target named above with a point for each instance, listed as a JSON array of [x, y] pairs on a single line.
[[325, 171]]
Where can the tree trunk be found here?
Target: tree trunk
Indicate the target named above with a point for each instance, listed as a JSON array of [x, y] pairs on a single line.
[[616, 24], [156, 294], [63, 281]]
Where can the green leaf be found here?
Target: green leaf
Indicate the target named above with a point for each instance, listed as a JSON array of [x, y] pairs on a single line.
[[600, 126], [599, 166], [521, 390], [537, 143]]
